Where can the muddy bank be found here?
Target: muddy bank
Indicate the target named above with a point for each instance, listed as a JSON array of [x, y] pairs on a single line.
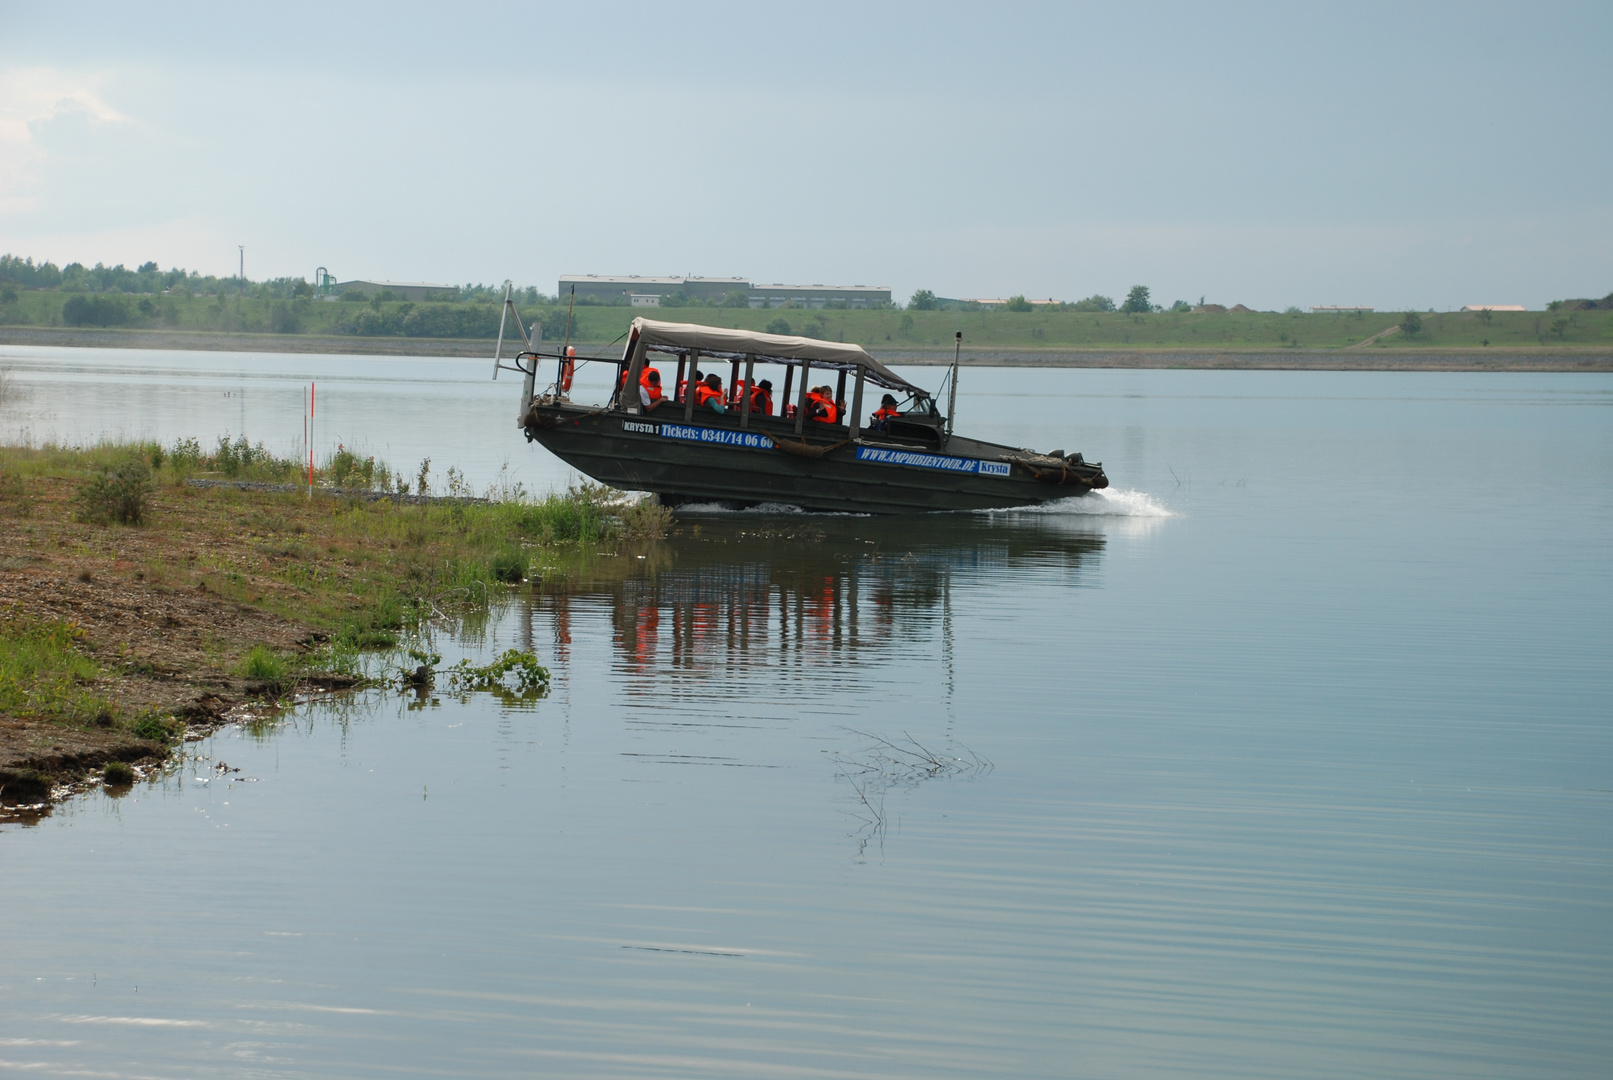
[[147, 606], [227, 593], [1275, 359], [343, 344], [166, 650]]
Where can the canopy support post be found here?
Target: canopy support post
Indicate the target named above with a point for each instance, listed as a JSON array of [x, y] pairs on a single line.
[[840, 395], [800, 402], [629, 402], [689, 391], [744, 407], [784, 398], [855, 419]]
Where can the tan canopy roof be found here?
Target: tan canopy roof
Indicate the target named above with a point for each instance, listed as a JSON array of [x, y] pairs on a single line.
[[716, 339]]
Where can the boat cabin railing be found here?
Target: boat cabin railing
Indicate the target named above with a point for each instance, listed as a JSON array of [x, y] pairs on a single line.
[[744, 350]]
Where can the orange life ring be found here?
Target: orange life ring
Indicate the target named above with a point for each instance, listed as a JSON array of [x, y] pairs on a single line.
[[568, 369]]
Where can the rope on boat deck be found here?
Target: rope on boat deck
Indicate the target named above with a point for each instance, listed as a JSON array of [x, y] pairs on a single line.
[[803, 448]]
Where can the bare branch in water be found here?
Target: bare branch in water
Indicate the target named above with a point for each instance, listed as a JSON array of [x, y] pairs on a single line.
[[884, 764]]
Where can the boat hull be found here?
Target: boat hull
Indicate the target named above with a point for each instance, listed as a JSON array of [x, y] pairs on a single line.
[[715, 461]]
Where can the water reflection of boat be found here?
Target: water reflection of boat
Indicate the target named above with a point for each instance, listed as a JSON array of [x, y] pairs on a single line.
[[754, 592], [816, 452]]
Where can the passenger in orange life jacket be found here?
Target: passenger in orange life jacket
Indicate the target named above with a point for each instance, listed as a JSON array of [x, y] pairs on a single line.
[[649, 390], [683, 387], [820, 406], [761, 398], [887, 411], [709, 394]]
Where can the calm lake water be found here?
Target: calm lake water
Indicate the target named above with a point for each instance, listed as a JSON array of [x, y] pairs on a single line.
[[1291, 756]]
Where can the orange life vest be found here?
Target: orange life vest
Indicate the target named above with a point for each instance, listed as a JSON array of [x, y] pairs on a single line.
[[704, 394], [887, 414], [823, 409], [654, 388], [761, 402]]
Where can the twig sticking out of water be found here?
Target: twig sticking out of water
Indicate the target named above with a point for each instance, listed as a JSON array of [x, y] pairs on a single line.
[[884, 764], [911, 762]]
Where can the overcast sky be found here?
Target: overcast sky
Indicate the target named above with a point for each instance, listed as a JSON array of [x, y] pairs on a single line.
[[1397, 155]]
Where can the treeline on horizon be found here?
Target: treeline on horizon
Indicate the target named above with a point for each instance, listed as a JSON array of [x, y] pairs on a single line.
[[150, 298]]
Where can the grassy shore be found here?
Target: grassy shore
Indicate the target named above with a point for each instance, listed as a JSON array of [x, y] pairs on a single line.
[[454, 328], [117, 637]]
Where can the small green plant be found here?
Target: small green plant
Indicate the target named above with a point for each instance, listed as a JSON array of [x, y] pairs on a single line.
[[155, 728], [1412, 324], [779, 325], [117, 774], [645, 519], [509, 566], [530, 676], [263, 663], [120, 492]]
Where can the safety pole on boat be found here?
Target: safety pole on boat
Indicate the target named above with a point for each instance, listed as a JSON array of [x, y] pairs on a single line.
[[952, 394], [565, 348], [498, 351]]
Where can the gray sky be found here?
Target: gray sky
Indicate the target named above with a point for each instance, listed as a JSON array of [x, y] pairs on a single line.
[[1397, 155]]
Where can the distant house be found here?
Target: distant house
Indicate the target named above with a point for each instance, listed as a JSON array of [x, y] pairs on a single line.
[[644, 299], [403, 290], [1494, 307]]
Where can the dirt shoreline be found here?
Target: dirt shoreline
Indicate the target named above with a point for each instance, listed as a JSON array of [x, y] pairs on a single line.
[[165, 647], [232, 594], [1543, 359], [166, 642]]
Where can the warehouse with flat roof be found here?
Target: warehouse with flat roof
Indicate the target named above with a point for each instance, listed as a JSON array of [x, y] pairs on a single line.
[[646, 291]]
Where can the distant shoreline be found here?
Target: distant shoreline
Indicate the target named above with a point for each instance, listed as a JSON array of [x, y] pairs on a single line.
[[1559, 359]]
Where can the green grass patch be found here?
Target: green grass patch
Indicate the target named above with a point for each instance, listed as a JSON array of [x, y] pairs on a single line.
[[261, 662], [44, 673]]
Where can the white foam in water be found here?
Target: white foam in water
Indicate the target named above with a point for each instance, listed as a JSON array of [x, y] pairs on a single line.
[[1105, 502]]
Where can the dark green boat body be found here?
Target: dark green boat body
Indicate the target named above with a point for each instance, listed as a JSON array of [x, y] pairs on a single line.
[[712, 459]]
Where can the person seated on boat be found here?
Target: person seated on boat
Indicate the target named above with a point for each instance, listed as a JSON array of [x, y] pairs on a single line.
[[736, 396], [683, 387], [709, 394], [887, 412], [761, 398], [649, 390], [820, 405]]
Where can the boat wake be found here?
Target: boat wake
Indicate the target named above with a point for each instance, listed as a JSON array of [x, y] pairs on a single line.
[[1105, 502]]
